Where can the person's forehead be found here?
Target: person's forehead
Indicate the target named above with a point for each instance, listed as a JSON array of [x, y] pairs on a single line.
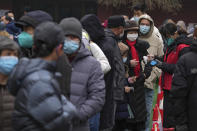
[[145, 21]]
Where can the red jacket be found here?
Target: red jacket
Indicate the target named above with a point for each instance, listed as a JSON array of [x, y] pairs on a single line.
[[171, 57]]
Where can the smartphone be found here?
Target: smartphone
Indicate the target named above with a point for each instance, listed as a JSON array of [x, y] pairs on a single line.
[[153, 63]]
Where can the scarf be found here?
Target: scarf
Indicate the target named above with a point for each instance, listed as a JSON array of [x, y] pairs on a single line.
[[134, 56]]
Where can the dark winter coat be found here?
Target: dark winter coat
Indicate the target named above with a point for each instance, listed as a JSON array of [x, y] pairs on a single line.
[[173, 52], [184, 90], [12, 29], [115, 77], [6, 109], [137, 100], [87, 90], [39, 104]]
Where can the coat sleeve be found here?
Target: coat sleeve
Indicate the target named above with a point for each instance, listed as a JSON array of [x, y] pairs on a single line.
[[100, 57], [179, 93], [96, 93], [169, 68], [51, 111]]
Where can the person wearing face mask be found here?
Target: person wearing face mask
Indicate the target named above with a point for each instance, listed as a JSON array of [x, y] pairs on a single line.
[[137, 75], [177, 46], [87, 91], [28, 23], [9, 52], [138, 11], [146, 33], [114, 91], [11, 27], [123, 111], [40, 104]]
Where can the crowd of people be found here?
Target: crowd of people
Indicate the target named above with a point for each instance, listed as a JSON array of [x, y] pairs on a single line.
[[84, 75]]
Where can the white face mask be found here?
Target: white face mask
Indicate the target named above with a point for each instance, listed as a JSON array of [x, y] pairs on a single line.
[[132, 37]]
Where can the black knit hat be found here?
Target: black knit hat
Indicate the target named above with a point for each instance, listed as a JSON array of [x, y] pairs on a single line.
[[72, 26], [6, 43], [131, 26], [34, 18], [116, 21]]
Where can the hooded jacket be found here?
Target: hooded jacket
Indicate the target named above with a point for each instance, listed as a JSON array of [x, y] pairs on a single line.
[[87, 91], [114, 79], [184, 90], [173, 53], [39, 104], [156, 49]]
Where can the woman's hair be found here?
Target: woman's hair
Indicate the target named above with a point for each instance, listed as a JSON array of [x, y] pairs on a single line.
[[170, 29]]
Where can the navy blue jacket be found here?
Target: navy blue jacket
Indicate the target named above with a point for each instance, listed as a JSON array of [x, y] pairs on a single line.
[[12, 29]]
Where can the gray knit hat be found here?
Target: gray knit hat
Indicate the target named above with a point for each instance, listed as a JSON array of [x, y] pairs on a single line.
[[6, 43], [72, 26]]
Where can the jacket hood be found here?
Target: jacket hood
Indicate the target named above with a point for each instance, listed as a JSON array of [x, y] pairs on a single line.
[[82, 53], [93, 26], [147, 17], [23, 69]]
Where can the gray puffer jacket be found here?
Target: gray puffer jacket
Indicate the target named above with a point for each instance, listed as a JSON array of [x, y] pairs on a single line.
[[87, 87]]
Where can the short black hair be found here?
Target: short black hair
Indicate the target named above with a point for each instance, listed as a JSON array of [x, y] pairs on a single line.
[[8, 18], [170, 29], [7, 12], [141, 7]]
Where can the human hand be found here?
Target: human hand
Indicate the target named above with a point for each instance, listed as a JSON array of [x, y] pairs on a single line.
[[132, 79], [150, 57], [134, 63], [127, 89]]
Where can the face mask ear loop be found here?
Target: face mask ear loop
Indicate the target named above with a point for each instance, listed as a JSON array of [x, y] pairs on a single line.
[[57, 51]]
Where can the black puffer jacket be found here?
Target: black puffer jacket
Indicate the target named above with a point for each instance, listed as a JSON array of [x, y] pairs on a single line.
[[137, 100], [184, 90], [39, 104], [114, 79]]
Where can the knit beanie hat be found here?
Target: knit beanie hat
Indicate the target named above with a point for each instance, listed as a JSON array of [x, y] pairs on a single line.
[[71, 26], [116, 21], [34, 18]]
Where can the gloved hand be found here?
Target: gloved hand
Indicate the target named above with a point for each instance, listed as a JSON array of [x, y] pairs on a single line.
[[182, 128], [147, 70], [159, 64]]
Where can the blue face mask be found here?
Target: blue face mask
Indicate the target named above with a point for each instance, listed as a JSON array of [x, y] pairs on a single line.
[[136, 19], [7, 63], [124, 59], [25, 40], [70, 46], [170, 41], [144, 29]]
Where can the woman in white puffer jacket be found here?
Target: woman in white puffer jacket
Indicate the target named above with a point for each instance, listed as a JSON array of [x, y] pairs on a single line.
[[96, 52]]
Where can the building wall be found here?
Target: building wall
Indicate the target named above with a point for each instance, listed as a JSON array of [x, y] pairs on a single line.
[[57, 8], [187, 13]]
